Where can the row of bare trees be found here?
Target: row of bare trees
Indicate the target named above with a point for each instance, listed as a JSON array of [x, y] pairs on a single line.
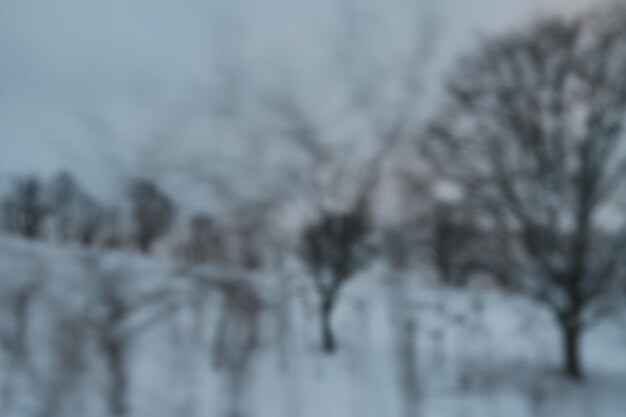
[[63, 211]]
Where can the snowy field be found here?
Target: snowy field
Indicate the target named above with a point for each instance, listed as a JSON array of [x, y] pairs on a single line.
[[244, 117], [85, 334]]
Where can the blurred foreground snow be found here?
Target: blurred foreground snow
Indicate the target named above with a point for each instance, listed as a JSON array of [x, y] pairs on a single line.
[[86, 334]]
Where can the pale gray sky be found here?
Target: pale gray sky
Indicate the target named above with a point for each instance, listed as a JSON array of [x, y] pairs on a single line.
[[88, 83]]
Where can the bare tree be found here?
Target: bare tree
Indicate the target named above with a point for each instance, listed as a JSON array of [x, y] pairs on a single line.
[[453, 240], [236, 339], [64, 383], [117, 313], [63, 191], [204, 242], [533, 132], [368, 118], [333, 248], [25, 209], [152, 211], [112, 233], [15, 325], [113, 310], [75, 214]]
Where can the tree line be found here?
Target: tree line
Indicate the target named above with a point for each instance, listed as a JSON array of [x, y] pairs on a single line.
[[61, 210]]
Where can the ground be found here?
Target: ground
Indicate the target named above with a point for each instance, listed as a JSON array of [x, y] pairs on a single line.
[[406, 348]]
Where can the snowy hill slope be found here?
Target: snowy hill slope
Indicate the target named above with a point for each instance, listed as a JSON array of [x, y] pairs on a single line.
[[88, 334]]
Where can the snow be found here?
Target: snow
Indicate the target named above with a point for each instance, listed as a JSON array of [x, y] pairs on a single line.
[[119, 88], [406, 348]]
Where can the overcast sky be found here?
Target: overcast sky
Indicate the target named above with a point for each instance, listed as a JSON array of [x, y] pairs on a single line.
[[88, 84]]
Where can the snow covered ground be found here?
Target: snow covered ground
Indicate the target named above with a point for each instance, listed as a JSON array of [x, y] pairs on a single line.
[[194, 343]]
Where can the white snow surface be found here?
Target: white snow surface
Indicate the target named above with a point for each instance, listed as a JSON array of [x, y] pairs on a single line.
[[406, 348]]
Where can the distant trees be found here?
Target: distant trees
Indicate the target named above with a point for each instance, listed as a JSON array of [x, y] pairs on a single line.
[[152, 213], [76, 216], [25, 209], [204, 242], [533, 131], [222, 243], [333, 249], [61, 209], [64, 193]]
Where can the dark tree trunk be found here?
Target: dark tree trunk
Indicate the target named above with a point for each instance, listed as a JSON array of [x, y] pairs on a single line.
[[328, 338], [571, 351], [114, 349], [445, 273], [118, 383], [145, 245], [31, 230]]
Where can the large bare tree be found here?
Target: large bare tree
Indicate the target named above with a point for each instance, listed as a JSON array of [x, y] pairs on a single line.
[[343, 134], [533, 133]]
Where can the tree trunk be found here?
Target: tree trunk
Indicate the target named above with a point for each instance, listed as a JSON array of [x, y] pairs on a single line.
[[145, 245], [114, 353], [328, 338], [118, 381], [571, 351]]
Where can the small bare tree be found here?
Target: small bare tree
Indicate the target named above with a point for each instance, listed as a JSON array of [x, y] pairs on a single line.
[[368, 118], [76, 216], [111, 309], [205, 241], [152, 211], [117, 313], [452, 240], [534, 133], [333, 249], [64, 190], [236, 339], [15, 322]]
